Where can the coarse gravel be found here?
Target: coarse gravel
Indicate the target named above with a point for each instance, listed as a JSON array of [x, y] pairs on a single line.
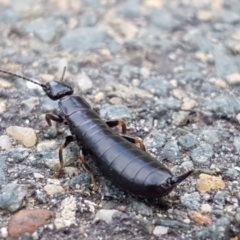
[[170, 69]]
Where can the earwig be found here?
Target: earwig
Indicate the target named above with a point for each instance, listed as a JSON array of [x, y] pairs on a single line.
[[117, 156]]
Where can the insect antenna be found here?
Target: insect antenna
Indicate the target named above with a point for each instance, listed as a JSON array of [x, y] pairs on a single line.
[[27, 79], [64, 71]]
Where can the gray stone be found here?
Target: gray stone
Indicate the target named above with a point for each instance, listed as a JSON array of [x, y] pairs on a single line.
[[31, 103], [81, 180], [219, 230], [193, 77], [18, 154], [223, 105], [163, 19], [180, 118], [171, 152], [44, 29], [157, 86], [9, 16], [48, 105], [174, 224], [191, 201], [226, 16], [219, 198], [187, 141], [11, 197], [237, 217], [70, 155], [89, 19], [198, 40], [202, 154], [131, 9], [141, 208], [3, 167], [170, 103], [210, 136], [224, 65], [236, 143], [106, 215], [83, 39], [128, 72], [231, 173], [116, 112], [154, 139], [5, 143], [27, 8]]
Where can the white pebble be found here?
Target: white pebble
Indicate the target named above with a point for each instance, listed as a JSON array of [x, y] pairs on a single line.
[[4, 232], [5, 142], [160, 230], [105, 215], [84, 82], [206, 208], [38, 175]]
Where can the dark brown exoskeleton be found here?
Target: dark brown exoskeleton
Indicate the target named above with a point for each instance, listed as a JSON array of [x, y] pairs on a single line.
[[117, 156]]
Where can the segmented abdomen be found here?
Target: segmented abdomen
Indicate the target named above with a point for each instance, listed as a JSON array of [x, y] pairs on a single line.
[[123, 162]]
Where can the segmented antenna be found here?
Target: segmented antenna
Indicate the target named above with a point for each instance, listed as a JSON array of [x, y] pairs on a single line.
[[27, 79], [64, 71]]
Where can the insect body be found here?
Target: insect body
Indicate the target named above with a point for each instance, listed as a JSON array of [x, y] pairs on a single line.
[[117, 156]]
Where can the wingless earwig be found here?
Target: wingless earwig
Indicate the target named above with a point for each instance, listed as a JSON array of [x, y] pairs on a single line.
[[117, 156]]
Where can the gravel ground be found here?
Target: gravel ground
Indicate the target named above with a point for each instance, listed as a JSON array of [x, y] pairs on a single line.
[[170, 69]]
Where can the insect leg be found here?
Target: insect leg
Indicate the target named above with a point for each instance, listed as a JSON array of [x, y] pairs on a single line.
[[114, 123], [53, 117], [83, 152], [68, 140], [135, 141]]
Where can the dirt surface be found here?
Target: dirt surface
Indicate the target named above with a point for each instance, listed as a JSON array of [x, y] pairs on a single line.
[[170, 69]]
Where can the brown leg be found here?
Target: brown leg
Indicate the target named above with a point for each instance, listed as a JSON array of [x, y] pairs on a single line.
[[135, 141], [53, 117], [114, 123], [68, 140], [84, 162]]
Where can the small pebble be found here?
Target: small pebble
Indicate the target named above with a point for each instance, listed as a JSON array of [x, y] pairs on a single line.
[[116, 112], [31, 103], [233, 79], [206, 208], [135, 82], [26, 136], [38, 175], [238, 118], [99, 97], [188, 104], [191, 201], [47, 145], [5, 84], [3, 106], [105, 215], [199, 219], [219, 83], [47, 77], [84, 82], [27, 221], [160, 230], [180, 118], [116, 101], [202, 154], [141, 208], [207, 183], [5, 142], [204, 15], [4, 232], [11, 197], [51, 189]]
